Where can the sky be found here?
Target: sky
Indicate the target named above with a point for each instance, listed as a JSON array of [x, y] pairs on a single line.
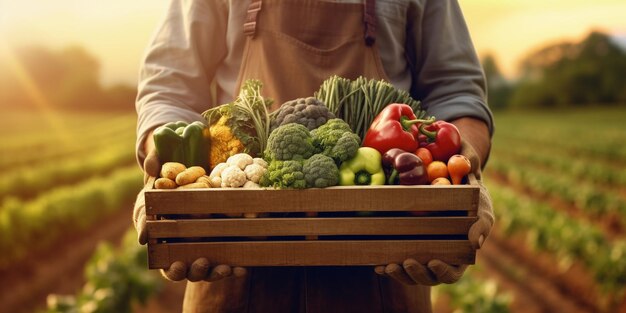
[[118, 31]]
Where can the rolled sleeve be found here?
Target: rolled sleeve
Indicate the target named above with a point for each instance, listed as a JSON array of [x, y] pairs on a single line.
[[179, 65], [450, 81]]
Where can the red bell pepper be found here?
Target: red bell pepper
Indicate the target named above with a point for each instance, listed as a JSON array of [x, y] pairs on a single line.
[[441, 138], [396, 126]]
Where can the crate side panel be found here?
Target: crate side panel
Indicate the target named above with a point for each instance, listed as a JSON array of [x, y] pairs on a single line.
[[313, 253], [309, 226], [387, 198]]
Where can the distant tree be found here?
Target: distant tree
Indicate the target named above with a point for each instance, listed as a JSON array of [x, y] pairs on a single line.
[[565, 74], [498, 87], [80, 86], [66, 79]]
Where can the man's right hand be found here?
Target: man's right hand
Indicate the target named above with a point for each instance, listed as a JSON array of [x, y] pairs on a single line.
[[200, 269]]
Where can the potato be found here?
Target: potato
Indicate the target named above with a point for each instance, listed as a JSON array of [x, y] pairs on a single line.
[[172, 169], [165, 183], [204, 179], [190, 175], [194, 186]]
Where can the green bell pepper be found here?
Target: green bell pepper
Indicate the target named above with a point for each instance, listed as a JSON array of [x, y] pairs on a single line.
[[183, 143], [365, 168]]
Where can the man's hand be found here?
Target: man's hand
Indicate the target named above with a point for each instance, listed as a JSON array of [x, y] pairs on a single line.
[[412, 272], [435, 272], [199, 269]]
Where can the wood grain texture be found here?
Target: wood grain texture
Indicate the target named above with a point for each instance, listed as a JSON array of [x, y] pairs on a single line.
[[462, 199], [334, 199], [312, 253], [236, 227]]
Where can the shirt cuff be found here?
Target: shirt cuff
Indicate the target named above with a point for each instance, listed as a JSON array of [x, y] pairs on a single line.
[[463, 107]]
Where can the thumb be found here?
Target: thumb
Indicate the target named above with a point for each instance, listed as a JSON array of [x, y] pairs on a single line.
[[446, 273], [151, 164], [176, 272]]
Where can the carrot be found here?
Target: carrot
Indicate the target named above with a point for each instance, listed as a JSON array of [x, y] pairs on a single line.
[[458, 166]]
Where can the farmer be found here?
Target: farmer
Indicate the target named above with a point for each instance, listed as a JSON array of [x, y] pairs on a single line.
[[422, 46]]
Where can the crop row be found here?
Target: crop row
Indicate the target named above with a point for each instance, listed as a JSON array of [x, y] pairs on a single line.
[[591, 198], [587, 141], [39, 136], [475, 294], [115, 280], [28, 224], [578, 168], [52, 153], [569, 240], [28, 181], [23, 122], [118, 279]]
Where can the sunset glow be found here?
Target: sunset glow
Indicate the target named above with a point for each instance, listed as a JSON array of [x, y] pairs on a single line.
[[117, 31]]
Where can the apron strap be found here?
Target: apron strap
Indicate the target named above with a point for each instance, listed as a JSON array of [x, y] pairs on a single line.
[[249, 26], [369, 20]]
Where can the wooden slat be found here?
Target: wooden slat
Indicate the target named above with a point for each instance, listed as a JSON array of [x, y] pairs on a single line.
[[368, 198], [310, 226], [312, 253]]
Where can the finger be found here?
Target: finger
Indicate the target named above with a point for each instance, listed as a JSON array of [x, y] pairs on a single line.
[[239, 272], [176, 272], [445, 273], [396, 272], [219, 272], [142, 232], [199, 270], [419, 273], [151, 164], [380, 270]]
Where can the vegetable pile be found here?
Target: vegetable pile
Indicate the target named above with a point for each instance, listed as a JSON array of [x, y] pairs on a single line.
[[313, 142]]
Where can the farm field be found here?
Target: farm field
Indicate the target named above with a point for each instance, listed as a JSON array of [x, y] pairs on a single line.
[[557, 179]]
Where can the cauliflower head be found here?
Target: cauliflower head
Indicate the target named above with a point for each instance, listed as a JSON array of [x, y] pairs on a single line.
[[233, 177], [336, 140], [309, 112], [289, 142], [284, 175], [320, 171]]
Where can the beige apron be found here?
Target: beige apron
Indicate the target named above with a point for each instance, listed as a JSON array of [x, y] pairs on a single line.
[[292, 47]]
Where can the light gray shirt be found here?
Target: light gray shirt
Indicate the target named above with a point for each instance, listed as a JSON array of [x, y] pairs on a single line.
[[424, 45]]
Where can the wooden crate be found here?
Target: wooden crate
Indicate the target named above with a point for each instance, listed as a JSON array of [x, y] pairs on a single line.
[[177, 231]]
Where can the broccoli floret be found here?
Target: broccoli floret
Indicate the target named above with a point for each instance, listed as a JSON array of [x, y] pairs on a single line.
[[289, 142], [309, 112], [336, 140], [284, 175], [320, 171]]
